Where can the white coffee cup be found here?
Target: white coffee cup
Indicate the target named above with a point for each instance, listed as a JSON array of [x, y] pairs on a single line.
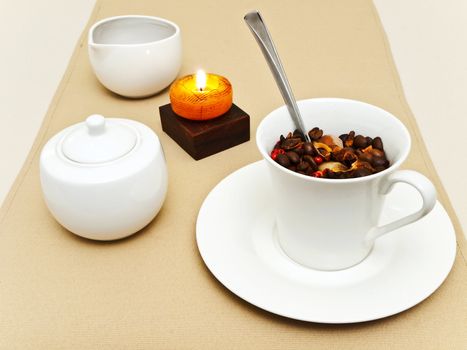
[[331, 224]]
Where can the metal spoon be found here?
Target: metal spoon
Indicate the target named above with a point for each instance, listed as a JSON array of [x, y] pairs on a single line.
[[257, 26]]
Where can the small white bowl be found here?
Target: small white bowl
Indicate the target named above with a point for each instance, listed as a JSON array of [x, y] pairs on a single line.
[[135, 56]]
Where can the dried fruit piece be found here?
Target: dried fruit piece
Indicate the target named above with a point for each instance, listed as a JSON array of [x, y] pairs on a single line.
[[333, 166], [323, 150], [326, 139], [358, 164], [331, 140], [337, 141]]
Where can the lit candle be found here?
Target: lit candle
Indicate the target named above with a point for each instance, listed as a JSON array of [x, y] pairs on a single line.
[[201, 96]]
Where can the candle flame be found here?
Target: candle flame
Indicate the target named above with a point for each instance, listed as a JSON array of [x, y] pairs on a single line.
[[201, 80]]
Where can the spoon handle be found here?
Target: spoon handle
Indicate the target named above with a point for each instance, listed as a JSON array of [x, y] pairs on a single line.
[[257, 26]]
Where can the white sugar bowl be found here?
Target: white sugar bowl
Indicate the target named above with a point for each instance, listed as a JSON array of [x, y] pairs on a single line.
[[105, 178]]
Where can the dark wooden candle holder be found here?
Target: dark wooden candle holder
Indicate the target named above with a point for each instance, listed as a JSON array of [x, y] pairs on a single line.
[[201, 139]]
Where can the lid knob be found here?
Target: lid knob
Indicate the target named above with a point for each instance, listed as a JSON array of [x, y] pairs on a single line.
[[95, 124]]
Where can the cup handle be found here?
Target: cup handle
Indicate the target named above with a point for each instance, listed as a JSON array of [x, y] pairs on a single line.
[[421, 184]]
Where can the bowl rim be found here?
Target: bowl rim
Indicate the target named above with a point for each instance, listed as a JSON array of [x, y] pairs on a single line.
[[392, 167], [114, 18]]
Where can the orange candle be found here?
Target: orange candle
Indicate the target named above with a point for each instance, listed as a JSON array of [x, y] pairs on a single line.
[[201, 96]]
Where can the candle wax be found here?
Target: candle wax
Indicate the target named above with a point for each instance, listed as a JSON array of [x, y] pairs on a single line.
[[192, 102]]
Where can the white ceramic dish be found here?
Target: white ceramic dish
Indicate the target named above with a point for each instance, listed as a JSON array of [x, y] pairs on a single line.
[[236, 237], [135, 56], [104, 178]]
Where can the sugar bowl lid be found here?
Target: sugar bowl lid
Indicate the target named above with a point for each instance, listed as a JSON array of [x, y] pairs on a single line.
[[98, 140]]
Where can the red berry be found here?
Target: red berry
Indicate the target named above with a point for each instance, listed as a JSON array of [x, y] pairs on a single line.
[[318, 159], [275, 152], [317, 173]]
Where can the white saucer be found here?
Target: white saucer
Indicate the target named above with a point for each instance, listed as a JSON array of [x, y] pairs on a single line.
[[236, 237]]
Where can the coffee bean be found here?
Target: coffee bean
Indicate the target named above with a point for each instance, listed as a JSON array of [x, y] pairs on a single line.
[[380, 168], [293, 157], [380, 162], [377, 143], [346, 155], [299, 151], [299, 134], [363, 154], [309, 159], [308, 148], [360, 172], [310, 171], [302, 166], [365, 165], [375, 152], [360, 142], [315, 133], [349, 140], [365, 157], [290, 143], [331, 174], [283, 160]]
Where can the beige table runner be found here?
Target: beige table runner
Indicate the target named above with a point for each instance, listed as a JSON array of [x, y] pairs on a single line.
[[58, 291]]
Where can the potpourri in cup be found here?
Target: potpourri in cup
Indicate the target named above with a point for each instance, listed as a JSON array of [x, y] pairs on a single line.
[[327, 156]]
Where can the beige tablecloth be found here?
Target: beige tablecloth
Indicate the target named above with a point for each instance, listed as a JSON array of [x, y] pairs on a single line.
[[58, 291]]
